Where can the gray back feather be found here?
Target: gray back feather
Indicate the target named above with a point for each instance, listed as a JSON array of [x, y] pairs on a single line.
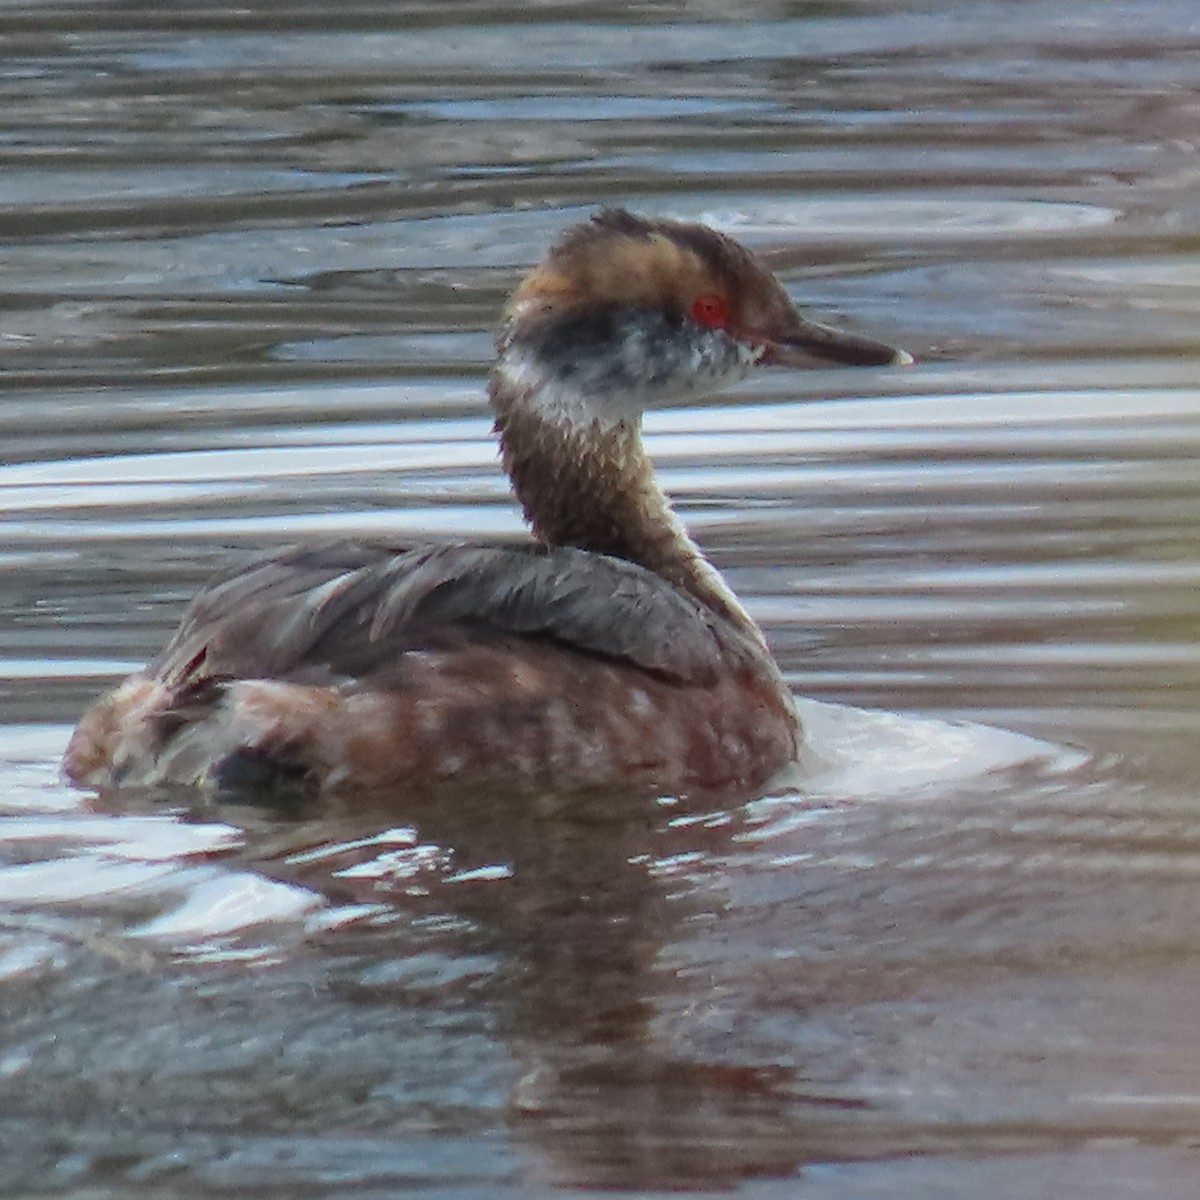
[[350, 611]]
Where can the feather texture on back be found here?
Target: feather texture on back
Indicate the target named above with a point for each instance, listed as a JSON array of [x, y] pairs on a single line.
[[333, 613]]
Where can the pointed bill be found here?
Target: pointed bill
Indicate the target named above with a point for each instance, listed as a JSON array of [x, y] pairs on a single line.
[[808, 344]]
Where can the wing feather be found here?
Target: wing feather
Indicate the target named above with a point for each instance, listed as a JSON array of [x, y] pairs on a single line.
[[350, 611]]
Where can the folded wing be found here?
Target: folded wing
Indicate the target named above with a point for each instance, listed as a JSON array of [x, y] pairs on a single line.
[[347, 613]]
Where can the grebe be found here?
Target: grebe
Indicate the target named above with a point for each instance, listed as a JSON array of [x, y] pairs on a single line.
[[605, 651]]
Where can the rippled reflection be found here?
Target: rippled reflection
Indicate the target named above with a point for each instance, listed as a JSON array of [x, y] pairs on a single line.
[[251, 260]]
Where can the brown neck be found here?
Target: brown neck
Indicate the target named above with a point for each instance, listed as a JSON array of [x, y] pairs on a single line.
[[593, 487]]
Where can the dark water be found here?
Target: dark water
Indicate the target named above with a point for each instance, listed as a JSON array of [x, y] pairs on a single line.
[[249, 260]]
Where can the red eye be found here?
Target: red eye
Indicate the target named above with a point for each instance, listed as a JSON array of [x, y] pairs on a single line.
[[711, 309]]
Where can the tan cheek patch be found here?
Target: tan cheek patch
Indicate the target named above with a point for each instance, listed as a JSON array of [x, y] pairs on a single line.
[[653, 271], [542, 289]]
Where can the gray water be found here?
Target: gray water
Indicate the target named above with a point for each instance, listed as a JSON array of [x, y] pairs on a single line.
[[249, 262]]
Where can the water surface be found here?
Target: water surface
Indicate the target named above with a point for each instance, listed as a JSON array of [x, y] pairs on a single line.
[[251, 259]]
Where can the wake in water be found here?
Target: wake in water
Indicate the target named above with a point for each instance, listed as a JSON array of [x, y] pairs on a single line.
[[206, 894]]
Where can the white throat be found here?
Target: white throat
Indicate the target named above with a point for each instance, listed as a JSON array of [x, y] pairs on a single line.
[[617, 382]]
